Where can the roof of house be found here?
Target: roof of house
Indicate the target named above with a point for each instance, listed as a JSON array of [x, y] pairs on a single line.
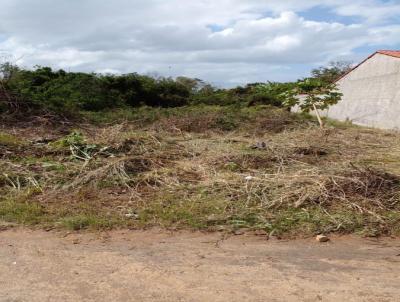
[[391, 53]]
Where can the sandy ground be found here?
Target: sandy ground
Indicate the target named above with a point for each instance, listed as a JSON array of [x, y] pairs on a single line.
[[158, 266]]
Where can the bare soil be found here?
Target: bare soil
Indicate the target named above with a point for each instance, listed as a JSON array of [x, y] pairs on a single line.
[[186, 266]]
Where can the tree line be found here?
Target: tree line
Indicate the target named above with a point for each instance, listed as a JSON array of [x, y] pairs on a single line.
[[62, 91]]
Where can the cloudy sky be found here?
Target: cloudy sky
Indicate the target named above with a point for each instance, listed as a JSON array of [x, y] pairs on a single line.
[[226, 42]]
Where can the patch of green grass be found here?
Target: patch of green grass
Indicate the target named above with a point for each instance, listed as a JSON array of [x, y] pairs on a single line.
[[10, 140], [174, 210], [314, 220], [339, 124], [311, 221], [47, 162], [53, 166], [205, 211], [88, 221], [25, 213], [231, 166], [392, 222], [29, 213]]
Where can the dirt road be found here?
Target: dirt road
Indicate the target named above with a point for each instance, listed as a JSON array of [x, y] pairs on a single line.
[[153, 266]]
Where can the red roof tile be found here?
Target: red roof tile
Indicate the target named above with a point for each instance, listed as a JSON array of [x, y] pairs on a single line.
[[392, 53]]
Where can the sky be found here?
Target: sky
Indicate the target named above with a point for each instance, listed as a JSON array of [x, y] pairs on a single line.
[[225, 42]]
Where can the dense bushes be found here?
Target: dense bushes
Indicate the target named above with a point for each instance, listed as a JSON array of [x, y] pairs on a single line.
[[61, 91]]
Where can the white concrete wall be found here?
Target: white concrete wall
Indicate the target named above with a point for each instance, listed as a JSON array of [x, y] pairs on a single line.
[[371, 94]]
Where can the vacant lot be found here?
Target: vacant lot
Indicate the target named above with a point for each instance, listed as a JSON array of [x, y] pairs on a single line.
[[211, 168]]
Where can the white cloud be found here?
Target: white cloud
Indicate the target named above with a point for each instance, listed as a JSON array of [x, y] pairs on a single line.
[[257, 40]]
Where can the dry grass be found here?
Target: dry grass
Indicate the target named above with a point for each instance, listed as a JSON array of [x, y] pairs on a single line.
[[181, 172]]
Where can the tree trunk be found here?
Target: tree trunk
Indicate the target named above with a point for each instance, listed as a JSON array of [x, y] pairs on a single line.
[[321, 123]]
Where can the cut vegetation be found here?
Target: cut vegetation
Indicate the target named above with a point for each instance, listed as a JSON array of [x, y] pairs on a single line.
[[201, 167]]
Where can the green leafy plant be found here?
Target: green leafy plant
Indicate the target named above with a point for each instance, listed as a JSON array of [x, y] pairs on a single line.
[[313, 95], [77, 145]]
